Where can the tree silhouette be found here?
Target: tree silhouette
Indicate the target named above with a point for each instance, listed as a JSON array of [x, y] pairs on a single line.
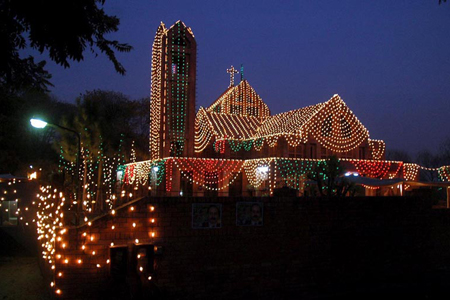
[[328, 175], [63, 28]]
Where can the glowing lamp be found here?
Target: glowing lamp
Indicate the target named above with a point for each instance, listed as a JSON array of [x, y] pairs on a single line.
[[36, 123], [263, 169]]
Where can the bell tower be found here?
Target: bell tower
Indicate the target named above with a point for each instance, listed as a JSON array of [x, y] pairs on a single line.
[[172, 102]]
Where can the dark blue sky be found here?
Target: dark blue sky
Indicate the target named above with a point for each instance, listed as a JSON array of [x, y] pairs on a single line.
[[388, 60]]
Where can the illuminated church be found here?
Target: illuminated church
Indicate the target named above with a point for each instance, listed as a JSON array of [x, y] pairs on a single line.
[[237, 147]]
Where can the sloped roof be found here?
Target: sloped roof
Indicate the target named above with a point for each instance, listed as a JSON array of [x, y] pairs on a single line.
[[287, 122], [233, 126], [330, 123], [240, 100], [223, 126]]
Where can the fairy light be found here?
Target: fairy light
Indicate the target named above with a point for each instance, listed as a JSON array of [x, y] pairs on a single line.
[[377, 148]]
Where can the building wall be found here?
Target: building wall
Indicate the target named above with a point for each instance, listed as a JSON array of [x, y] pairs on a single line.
[[304, 247]]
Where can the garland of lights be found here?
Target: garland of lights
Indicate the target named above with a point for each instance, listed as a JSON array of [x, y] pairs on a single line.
[[169, 172], [140, 172], [217, 174], [203, 131], [49, 218], [209, 172], [444, 173], [293, 171], [372, 169], [258, 170], [344, 133], [219, 146], [410, 171], [377, 148], [60, 252], [394, 174]]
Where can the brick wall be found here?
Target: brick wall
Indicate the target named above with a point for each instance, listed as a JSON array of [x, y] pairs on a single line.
[[306, 247]]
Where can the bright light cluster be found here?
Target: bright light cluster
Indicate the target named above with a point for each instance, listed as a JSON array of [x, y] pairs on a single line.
[[444, 173], [372, 169], [258, 171], [218, 174], [50, 222], [377, 148], [241, 100], [212, 174], [221, 126], [232, 71], [331, 123], [58, 251], [156, 104]]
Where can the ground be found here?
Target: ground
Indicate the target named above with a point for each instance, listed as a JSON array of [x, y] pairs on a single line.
[[20, 276]]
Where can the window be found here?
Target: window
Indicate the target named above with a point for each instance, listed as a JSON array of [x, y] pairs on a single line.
[[296, 152]]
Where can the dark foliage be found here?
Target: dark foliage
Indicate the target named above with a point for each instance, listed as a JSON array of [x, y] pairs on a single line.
[[328, 175], [22, 145], [63, 28], [398, 155]]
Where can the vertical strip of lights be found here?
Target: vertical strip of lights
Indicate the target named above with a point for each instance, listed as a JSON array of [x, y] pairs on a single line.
[[156, 97]]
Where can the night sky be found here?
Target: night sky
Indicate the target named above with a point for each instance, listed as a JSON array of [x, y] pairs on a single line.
[[388, 60]]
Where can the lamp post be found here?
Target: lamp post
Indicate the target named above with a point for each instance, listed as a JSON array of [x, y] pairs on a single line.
[[37, 123]]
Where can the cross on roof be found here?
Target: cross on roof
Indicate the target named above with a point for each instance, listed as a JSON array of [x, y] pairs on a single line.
[[232, 71]]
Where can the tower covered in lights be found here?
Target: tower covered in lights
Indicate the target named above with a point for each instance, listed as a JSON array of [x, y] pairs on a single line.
[[172, 104]]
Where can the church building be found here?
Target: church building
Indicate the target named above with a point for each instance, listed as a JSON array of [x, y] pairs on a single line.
[[237, 147]]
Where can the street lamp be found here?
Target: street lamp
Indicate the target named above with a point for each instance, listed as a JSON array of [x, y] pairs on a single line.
[[37, 123]]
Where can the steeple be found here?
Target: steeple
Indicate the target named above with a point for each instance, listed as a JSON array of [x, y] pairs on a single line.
[[172, 107]]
